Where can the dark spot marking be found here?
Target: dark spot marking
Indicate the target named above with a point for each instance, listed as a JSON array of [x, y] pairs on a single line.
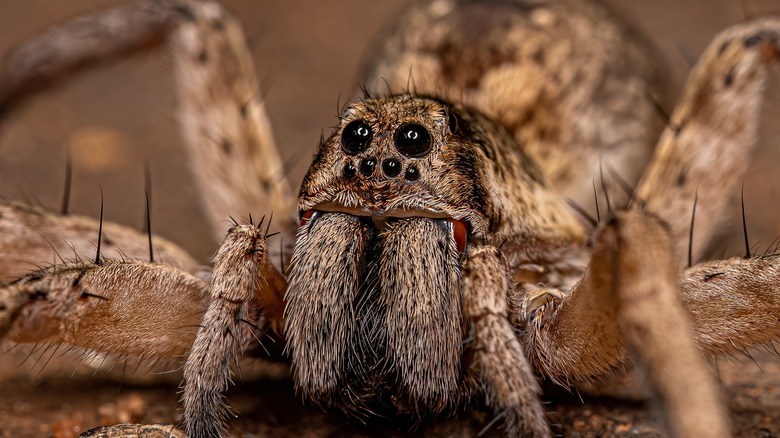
[[227, 148], [266, 185], [478, 44], [465, 66], [218, 25], [728, 79], [723, 47], [107, 240], [539, 56], [753, 41], [680, 179], [186, 13], [203, 56]]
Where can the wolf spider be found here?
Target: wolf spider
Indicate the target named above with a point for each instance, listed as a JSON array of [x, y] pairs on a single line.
[[436, 263]]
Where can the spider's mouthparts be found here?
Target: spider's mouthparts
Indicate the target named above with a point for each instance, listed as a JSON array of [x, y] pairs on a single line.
[[457, 229]]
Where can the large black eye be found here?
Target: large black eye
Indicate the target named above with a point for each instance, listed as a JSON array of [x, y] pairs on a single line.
[[413, 140], [356, 137]]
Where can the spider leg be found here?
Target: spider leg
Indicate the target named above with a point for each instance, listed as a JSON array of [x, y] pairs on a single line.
[[32, 237], [629, 299], [133, 430], [137, 308], [706, 147], [733, 304], [246, 294], [512, 386], [223, 122], [224, 126], [656, 328], [115, 306]]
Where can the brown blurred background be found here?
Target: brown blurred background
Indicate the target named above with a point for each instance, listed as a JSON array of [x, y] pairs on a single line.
[[307, 52]]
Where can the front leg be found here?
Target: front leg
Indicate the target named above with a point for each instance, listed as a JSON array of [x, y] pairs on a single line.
[[512, 386], [629, 300], [122, 307], [246, 298], [645, 284]]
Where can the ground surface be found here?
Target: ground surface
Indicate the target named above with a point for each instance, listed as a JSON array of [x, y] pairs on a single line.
[[307, 53]]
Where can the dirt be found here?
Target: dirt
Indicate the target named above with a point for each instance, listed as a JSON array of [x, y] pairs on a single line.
[[307, 53], [63, 405]]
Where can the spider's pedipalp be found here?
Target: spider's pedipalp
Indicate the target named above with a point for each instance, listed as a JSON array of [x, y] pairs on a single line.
[[510, 383], [246, 295], [708, 144]]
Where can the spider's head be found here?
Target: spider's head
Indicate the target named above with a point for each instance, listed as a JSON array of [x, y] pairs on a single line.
[[404, 157]]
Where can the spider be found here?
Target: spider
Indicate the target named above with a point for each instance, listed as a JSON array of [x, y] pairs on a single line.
[[435, 264]]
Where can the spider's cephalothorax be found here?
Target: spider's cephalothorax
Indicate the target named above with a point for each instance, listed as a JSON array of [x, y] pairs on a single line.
[[388, 209]]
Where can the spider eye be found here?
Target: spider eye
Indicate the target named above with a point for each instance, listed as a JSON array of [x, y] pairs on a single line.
[[452, 123], [356, 137], [413, 140]]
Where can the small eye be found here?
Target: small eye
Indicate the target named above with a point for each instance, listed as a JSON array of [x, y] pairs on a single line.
[[412, 174], [349, 170], [413, 140], [368, 166], [452, 123], [356, 137], [391, 167]]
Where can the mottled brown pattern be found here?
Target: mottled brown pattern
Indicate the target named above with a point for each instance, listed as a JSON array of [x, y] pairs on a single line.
[[571, 84]]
